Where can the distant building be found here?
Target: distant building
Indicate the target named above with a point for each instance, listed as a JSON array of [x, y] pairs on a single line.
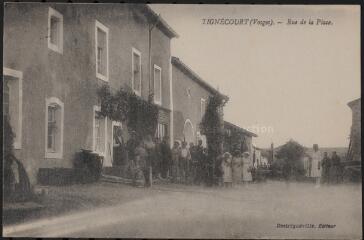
[[238, 138], [354, 151], [352, 165]]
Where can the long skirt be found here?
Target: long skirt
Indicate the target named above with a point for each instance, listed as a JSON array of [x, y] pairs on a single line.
[[237, 172], [247, 176]]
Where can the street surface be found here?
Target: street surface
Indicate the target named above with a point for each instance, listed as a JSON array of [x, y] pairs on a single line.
[[172, 211]]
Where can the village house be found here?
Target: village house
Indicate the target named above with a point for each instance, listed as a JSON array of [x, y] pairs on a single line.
[[352, 165], [190, 96], [56, 57], [238, 138], [354, 151]]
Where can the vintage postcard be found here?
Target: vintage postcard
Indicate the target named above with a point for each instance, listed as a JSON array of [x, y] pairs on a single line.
[[182, 121]]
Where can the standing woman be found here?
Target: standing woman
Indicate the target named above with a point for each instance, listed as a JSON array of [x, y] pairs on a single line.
[[316, 165], [237, 167], [226, 170], [247, 175]]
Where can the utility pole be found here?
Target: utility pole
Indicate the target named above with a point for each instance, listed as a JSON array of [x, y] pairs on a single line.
[[150, 93]]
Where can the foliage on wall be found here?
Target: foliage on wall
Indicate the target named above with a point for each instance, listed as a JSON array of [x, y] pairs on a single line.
[[141, 116]]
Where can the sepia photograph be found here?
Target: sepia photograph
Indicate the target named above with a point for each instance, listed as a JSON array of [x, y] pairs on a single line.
[[185, 121]]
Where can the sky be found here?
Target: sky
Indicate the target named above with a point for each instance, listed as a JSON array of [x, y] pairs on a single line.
[[284, 81]]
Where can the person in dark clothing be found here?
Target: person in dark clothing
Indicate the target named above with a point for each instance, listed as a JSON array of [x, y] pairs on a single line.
[[335, 172], [325, 165], [120, 150], [141, 162], [193, 167], [149, 146], [166, 157], [131, 146], [208, 169], [200, 157], [157, 159]]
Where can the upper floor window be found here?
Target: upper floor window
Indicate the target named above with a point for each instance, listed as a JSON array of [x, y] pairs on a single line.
[[54, 128], [55, 30], [102, 51], [203, 107], [136, 71], [157, 85]]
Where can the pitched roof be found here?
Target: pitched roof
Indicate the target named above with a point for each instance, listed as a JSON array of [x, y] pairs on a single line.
[[188, 71], [242, 130], [153, 17], [354, 102]]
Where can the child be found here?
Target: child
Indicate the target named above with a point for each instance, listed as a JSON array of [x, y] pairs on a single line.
[[226, 170]]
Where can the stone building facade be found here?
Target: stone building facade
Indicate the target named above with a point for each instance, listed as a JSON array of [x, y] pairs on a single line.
[[56, 56], [190, 95]]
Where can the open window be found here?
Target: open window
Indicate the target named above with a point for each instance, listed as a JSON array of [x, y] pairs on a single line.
[[102, 51], [55, 30], [136, 72], [54, 128]]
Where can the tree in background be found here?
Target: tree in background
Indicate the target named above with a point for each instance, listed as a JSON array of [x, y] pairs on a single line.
[[289, 160]]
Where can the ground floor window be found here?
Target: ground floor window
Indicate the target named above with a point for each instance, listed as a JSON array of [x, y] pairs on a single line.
[[99, 131], [12, 102], [161, 131], [54, 128]]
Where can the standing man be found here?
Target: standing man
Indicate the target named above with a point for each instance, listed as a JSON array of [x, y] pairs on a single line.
[[200, 161], [175, 161], [166, 156], [316, 165], [141, 164], [185, 160], [193, 166], [335, 168], [325, 166], [149, 146]]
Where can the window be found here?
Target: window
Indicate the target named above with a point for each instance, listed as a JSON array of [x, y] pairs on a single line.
[[228, 132], [99, 132], [203, 107], [102, 51], [55, 30], [157, 85], [54, 128], [136, 71], [12, 102], [161, 131]]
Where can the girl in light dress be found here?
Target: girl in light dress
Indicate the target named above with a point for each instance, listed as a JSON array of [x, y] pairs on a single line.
[[247, 166], [237, 163], [227, 170]]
